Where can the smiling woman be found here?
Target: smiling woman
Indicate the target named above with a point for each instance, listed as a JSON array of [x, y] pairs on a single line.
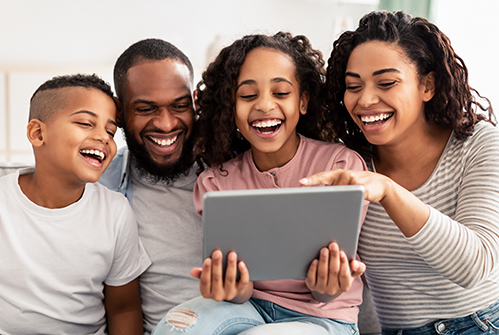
[[399, 95]]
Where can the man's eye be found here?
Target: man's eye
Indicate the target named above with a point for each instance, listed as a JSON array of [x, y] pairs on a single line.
[[181, 106], [145, 109]]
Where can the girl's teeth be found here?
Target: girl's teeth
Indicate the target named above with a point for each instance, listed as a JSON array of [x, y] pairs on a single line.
[[374, 118]]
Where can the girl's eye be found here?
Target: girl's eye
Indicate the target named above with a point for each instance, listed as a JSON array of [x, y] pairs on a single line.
[[282, 94], [248, 96], [111, 133]]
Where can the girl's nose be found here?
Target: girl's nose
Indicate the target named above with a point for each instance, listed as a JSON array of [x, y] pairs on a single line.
[[265, 103]]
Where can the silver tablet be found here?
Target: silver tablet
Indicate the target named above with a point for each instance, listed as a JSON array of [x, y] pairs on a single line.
[[278, 232]]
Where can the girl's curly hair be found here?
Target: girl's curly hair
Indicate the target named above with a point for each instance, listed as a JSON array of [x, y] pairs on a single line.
[[218, 139], [454, 105]]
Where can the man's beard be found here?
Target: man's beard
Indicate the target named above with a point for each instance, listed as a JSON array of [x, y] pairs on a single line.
[[160, 173]]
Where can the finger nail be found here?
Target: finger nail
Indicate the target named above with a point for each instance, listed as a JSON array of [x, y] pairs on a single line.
[[304, 181]]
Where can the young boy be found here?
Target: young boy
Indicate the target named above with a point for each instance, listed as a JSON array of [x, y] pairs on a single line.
[[69, 250]]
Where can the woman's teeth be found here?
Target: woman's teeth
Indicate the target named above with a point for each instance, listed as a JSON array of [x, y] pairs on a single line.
[[373, 118], [164, 143]]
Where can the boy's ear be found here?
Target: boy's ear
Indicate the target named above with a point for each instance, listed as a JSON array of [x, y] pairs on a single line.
[[429, 86], [305, 97], [119, 112], [35, 131]]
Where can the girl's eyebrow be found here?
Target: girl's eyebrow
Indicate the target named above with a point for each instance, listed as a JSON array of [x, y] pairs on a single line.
[[253, 82]]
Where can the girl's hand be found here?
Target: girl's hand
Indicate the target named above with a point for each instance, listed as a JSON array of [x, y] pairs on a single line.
[[212, 284], [330, 275], [376, 185]]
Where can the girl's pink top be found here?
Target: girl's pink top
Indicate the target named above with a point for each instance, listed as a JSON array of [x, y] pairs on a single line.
[[311, 157]]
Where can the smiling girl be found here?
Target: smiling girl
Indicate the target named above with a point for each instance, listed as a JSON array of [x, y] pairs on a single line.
[[263, 125], [400, 96]]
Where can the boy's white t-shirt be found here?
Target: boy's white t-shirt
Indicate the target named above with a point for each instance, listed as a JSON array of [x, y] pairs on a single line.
[[54, 262]]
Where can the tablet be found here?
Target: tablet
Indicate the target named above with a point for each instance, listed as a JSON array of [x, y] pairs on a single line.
[[279, 232]]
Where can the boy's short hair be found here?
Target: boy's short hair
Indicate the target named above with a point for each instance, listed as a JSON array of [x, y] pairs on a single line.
[[49, 98]]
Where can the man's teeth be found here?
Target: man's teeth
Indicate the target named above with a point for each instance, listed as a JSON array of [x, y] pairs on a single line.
[[374, 118], [269, 123], [93, 152], [164, 143]]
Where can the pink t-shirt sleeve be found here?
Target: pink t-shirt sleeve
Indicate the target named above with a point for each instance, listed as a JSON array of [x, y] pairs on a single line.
[[206, 182]]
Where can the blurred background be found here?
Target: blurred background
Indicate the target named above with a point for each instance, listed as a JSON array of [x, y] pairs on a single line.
[[40, 39]]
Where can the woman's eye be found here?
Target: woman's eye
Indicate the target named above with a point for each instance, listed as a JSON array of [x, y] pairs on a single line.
[[353, 87], [387, 84]]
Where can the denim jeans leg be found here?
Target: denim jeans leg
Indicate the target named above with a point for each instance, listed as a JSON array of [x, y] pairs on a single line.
[[206, 316]]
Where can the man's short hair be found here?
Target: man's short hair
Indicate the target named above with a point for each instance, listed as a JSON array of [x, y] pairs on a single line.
[[49, 98], [143, 51]]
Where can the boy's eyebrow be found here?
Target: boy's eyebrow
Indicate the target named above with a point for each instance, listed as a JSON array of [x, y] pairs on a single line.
[[375, 73], [94, 115]]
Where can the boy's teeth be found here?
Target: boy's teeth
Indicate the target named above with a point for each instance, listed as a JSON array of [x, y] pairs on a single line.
[[164, 143], [93, 152]]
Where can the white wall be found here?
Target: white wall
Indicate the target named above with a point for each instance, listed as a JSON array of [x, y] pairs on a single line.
[[43, 38], [471, 25]]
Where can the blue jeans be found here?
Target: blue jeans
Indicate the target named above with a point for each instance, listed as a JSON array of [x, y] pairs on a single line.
[[206, 316], [485, 321]]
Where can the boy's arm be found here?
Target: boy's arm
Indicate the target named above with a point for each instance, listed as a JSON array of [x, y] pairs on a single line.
[[123, 309]]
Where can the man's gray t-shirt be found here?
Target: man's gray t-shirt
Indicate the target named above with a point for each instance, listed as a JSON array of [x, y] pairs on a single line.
[[171, 233]]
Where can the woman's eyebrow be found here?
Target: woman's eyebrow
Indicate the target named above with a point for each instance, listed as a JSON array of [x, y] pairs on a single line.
[[377, 73]]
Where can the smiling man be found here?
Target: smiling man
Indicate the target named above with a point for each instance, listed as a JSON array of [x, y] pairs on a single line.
[[156, 171]]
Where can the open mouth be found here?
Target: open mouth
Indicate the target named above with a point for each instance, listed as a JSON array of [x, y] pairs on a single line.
[[163, 142], [374, 120], [93, 154], [266, 126]]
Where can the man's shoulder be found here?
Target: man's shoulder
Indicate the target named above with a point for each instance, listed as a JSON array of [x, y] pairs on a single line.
[[112, 178]]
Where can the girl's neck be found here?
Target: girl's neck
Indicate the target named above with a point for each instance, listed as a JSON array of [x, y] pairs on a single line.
[[265, 161], [410, 163], [49, 192]]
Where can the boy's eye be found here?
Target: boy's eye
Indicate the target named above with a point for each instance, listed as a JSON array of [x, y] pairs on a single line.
[[85, 124]]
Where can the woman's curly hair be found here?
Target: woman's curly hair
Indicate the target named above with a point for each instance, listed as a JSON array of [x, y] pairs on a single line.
[[218, 139], [454, 105]]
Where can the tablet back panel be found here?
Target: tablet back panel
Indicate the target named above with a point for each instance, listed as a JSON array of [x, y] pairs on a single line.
[[278, 232]]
